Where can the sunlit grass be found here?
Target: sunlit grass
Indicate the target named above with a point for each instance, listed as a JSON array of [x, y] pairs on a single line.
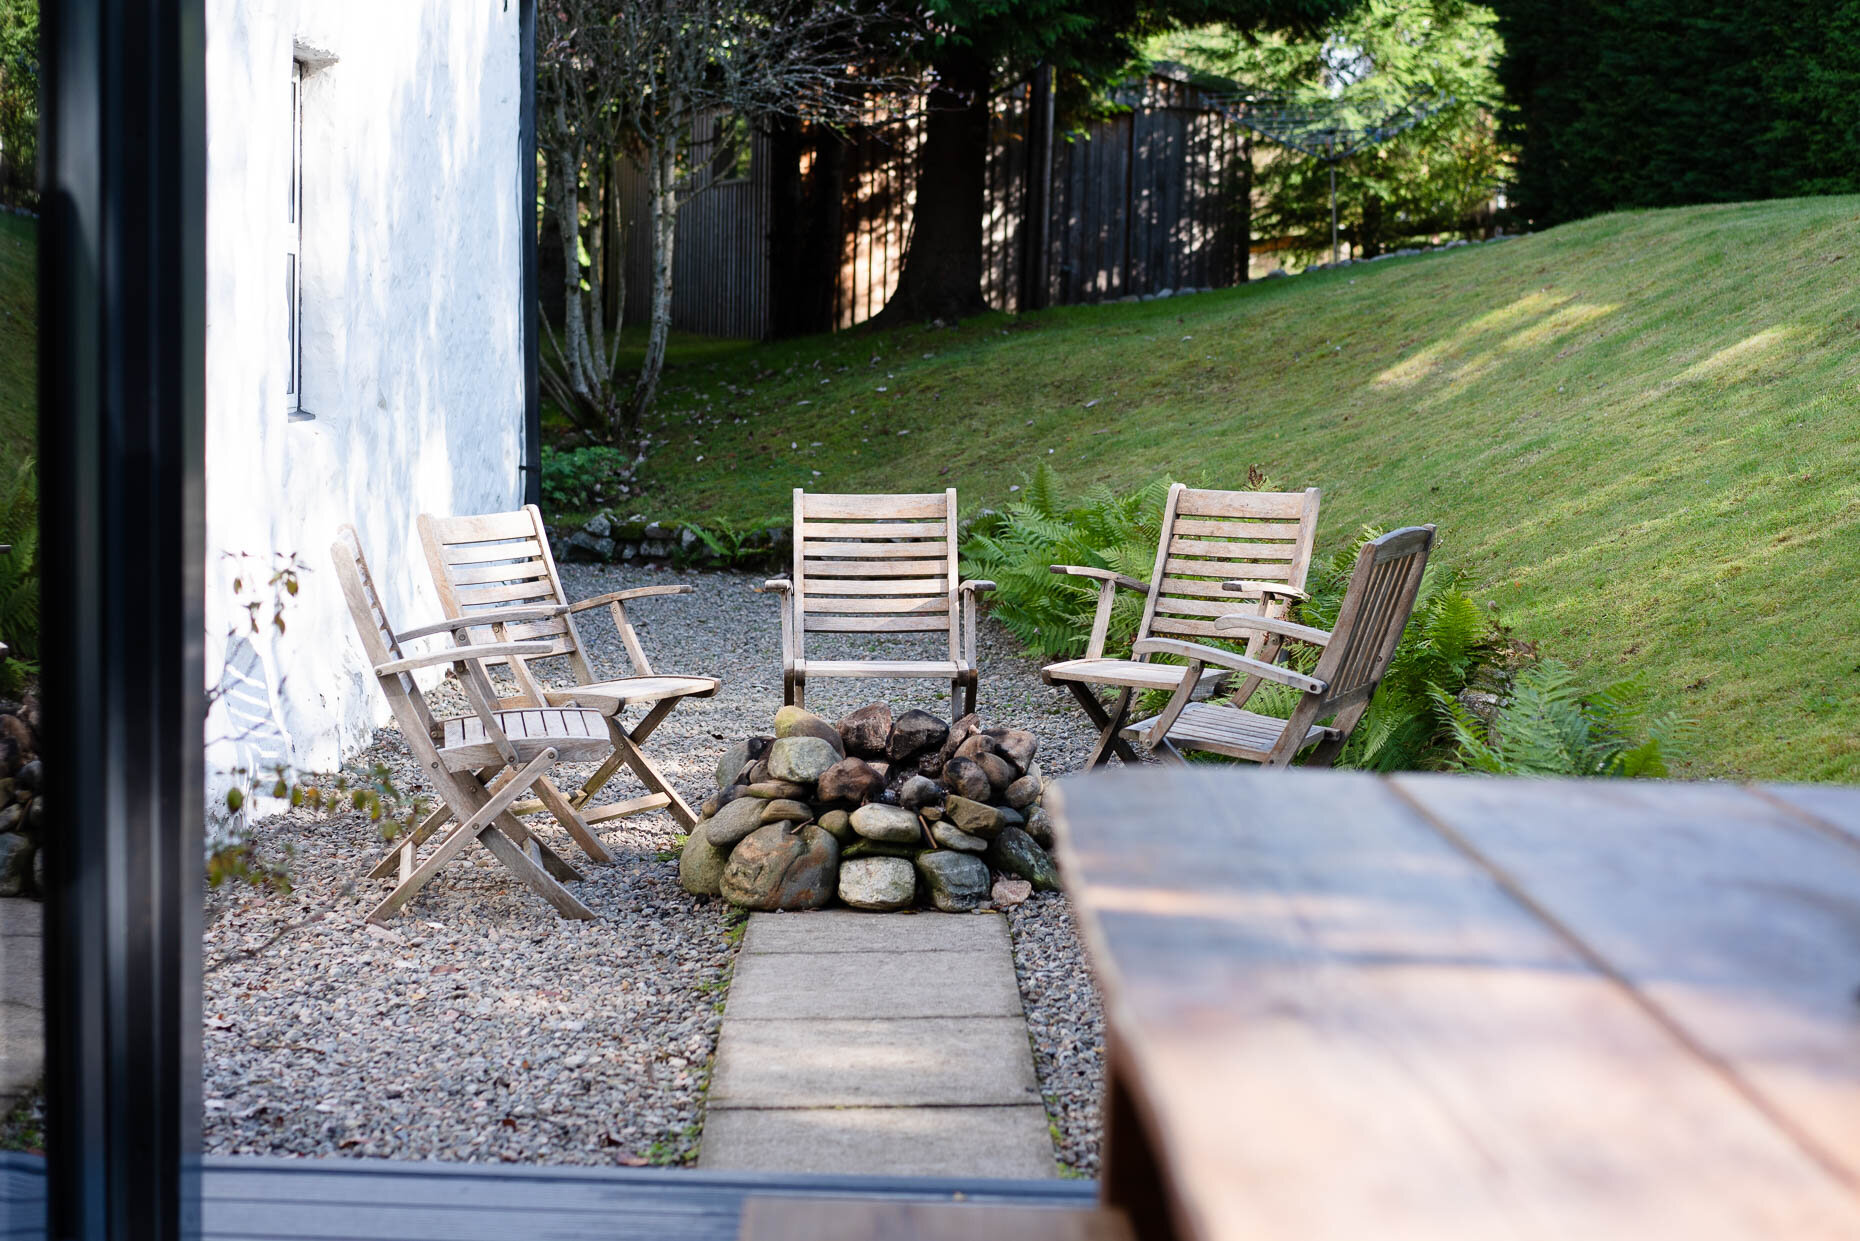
[[1641, 433]]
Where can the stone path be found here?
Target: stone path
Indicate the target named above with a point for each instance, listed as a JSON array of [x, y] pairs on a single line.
[[876, 1043], [22, 1015]]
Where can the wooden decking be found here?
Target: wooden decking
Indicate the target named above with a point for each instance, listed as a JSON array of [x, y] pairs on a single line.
[[266, 1199]]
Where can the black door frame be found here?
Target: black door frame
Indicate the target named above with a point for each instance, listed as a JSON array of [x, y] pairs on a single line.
[[122, 280]]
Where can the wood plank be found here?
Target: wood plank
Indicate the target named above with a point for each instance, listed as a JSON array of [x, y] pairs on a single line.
[[842, 1219], [888, 507], [517, 525], [870, 606], [1245, 601], [472, 575], [1274, 572], [874, 530], [479, 553], [881, 667], [1237, 529], [921, 548], [1236, 550], [1165, 625], [812, 569], [887, 586], [1253, 505], [1226, 606], [517, 592], [1835, 805], [890, 624], [1740, 922], [1351, 1030]]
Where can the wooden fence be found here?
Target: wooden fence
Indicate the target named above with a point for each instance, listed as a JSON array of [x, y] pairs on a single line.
[[1153, 197]]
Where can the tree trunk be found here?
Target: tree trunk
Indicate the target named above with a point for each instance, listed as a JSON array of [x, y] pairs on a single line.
[[1369, 237], [613, 255], [574, 325], [942, 276], [663, 186]]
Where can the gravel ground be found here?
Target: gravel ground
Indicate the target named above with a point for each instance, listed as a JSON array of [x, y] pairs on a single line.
[[482, 1027]]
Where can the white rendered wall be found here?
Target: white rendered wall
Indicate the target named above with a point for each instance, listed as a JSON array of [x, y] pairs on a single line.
[[412, 318]]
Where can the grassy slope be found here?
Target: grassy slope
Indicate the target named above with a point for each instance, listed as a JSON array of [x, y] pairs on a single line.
[[19, 335], [1641, 433]]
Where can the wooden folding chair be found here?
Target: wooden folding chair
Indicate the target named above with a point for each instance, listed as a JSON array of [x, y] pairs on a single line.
[[496, 571], [1376, 607], [478, 763], [1219, 552], [877, 564]]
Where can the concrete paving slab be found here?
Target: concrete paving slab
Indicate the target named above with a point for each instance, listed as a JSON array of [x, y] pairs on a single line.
[[977, 1061], [852, 930], [874, 985], [22, 1051], [20, 916], [898, 1141], [21, 966]]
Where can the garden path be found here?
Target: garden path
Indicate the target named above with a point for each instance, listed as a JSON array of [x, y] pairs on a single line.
[[22, 1015], [876, 1043]]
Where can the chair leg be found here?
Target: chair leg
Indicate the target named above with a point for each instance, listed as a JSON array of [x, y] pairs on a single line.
[[1109, 725], [486, 808], [629, 753], [575, 825], [391, 860]]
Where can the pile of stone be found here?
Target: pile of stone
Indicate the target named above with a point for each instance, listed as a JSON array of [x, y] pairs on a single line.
[[881, 814], [22, 810]]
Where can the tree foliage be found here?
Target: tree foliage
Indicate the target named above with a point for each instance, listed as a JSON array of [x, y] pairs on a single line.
[[676, 87], [1382, 56], [19, 101], [1651, 103]]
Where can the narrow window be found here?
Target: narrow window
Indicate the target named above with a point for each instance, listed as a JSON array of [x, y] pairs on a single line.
[[293, 256]]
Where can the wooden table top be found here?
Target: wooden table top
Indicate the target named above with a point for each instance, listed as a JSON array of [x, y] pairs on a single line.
[[1439, 1007]]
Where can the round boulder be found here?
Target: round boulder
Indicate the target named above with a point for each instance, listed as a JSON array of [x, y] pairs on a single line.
[[958, 882], [965, 778], [920, 791], [866, 730], [974, 817], [1000, 772], [838, 824], [851, 779], [700, 865], [781, 866], [732, 823], [784, 810], [914, 732], [1023, 792], [802, 759], [800, 722], [949, 836], [880, 883], [1014, 852], [892, 824]]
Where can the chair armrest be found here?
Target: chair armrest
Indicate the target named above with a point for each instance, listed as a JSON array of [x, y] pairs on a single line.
[[1268, 624], [978, 585], [1102, 575], [1248, 587], [775, 585], [479, 620], [464, 653], [1197, 653], [622, 596]]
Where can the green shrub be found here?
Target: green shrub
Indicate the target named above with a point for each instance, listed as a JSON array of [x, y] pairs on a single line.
[[1547, 725], [581, 479], [19, 572], [1052, 613]]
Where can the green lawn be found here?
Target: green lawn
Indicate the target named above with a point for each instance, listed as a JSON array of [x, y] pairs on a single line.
[[19, 335], [1641, 433]]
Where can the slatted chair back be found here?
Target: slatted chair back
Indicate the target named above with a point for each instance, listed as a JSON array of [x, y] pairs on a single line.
[[875, 564], [1210, 538], [1376, 606], [379, 644], [502, 560]]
